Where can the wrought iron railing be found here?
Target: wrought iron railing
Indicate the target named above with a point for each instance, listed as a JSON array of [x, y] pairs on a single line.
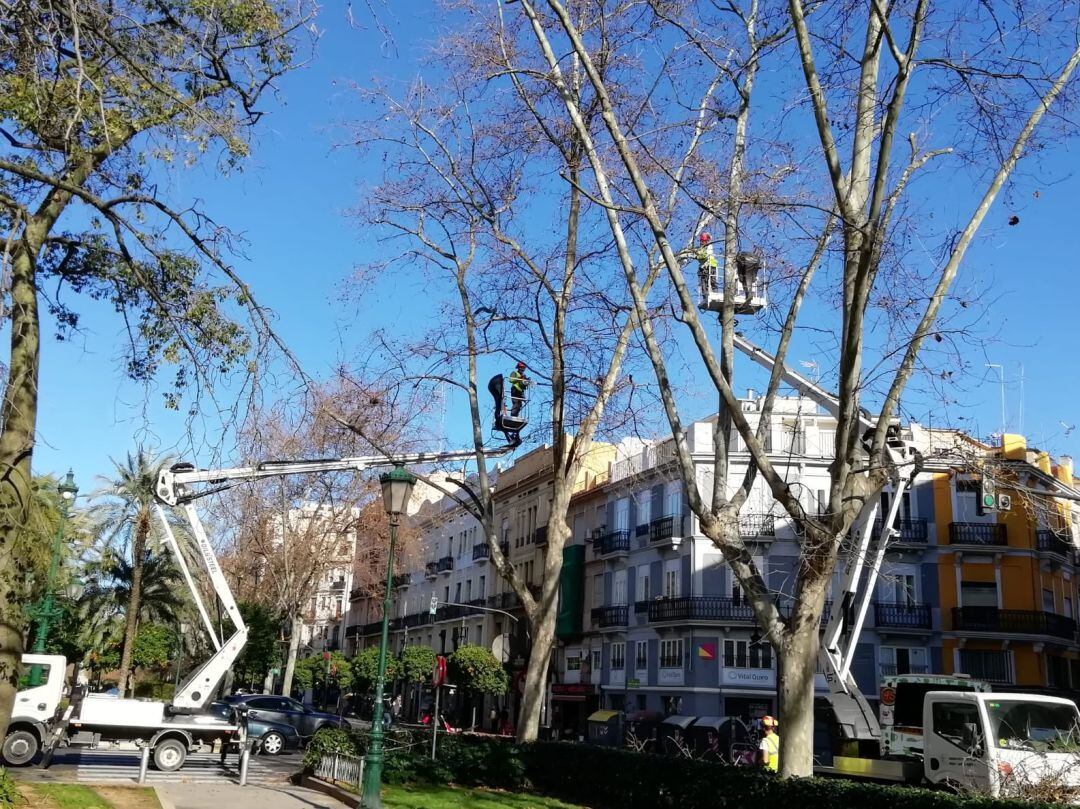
[[612, 542], [700, 608], [665, 528], [902, 616], [480, 551], [757, 525], [445, 565], [912, 531], [1048, 541], [431, 568], [540, 535], [1019, 622], [977, 533], [614, 615]]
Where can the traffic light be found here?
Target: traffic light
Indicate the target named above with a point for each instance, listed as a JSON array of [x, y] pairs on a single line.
[[987, 496]]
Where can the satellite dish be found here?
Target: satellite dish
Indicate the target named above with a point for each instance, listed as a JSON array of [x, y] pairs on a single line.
[[500, 648]]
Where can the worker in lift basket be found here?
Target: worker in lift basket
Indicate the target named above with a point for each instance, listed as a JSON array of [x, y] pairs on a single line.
[[768, 754], [707, 266], [518, 383]]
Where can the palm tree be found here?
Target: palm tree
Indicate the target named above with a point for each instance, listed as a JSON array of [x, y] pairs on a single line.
[[126, 520]]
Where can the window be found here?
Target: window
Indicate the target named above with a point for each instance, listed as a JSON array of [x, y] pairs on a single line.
[[899, 588], [671, 655], [618, 587], [978, 594], [674, 500], [827, 442], [957, 723], [641, 655], [468, 590], [457, 593], [903, 660], [672, 579], [1067, 610], [483, 587], [618, 656], [644, 507], [643, 583], [742, 654], [995, 667], [1048, 601], [598, 591], [479, 635], [622, 514], [573, 662], [596, 661], [24, 674], [905, 506]]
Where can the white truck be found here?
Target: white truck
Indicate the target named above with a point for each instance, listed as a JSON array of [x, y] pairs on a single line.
[[170, 729], [946, 730]]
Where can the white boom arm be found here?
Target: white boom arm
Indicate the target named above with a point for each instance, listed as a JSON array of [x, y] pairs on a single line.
[[840, 640], [174, 488]]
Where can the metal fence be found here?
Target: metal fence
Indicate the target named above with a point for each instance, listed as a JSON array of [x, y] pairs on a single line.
[[340, 768]]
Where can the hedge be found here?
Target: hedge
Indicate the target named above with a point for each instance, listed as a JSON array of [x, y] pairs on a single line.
[[607, 778]]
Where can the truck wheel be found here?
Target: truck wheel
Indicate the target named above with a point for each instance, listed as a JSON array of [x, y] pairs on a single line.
[[169, 755], [273, 743], [20, 747]]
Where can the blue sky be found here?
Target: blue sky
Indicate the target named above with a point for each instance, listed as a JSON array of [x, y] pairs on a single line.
[[291, 204]]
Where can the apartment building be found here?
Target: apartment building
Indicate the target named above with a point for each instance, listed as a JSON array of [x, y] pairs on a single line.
[[1008, 579], [472, 602]]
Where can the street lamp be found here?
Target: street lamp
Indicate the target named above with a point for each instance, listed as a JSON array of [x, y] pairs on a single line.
[[45, 611], [396, 490], [183, 627]]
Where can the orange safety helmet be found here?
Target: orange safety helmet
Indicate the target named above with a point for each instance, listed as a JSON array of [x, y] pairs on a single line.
[[769, 722], [521, 364], [705, 238]]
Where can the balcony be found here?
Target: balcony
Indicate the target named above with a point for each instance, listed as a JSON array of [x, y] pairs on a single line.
[[909, 532], [505, 548], [902, 616], [401, 580], [480, 551], [611, 543], [431, 569], [445, 565], [613, 616], [1013, 622], [503, 601], [667, 530], [757, 525], [642, 530], [977, 533], [1055, 543], [356, 593], [540, 536], [700, 608], [641, 607]]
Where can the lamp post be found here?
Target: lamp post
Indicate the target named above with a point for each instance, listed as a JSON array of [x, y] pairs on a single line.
[[45, 611], [183, 629], [396, 490]]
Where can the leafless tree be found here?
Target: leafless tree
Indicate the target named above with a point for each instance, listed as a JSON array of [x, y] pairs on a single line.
[[886, 90]]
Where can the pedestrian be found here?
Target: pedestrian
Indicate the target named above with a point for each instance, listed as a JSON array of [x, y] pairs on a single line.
[[493, 720], [518, 383], [395, 708], [768, 754]]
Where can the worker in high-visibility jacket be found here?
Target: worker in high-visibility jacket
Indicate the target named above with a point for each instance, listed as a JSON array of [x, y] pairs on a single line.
[[518, 383], [707, 266], [769, 750]]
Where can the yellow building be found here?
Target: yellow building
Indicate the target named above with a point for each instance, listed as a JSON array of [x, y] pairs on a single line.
[[1007, 576]]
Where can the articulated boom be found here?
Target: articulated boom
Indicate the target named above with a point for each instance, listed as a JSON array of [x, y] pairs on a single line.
[[854, 714], [175, 488]]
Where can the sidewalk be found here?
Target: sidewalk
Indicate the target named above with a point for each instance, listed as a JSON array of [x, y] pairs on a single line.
[[233, 796]]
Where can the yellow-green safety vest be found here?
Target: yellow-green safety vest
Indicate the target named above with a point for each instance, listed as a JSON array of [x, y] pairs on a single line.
[[772, 746]]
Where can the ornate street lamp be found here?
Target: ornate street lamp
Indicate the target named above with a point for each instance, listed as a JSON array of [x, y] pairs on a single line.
[[396, 490], [46, 610]]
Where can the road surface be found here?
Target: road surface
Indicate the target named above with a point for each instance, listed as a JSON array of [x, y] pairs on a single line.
[[116, 766]]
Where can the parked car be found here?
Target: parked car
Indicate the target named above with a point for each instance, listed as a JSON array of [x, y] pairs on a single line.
[[287, 711], [276, 737]]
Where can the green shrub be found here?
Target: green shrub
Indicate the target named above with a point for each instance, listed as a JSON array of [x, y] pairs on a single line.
[[332, 740], [9, 790], [607, 778]]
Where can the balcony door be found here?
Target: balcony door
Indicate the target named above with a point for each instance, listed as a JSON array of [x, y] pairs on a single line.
[[903, 660], [618, 587]]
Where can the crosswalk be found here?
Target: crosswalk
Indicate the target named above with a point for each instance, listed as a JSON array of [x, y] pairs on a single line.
[[109, 766]]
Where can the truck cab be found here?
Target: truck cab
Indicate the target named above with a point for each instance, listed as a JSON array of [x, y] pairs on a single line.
[[34, 707], [995, 743]]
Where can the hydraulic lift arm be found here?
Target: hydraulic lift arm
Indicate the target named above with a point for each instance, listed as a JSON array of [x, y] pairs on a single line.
[[840, 640], [181, 485]]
